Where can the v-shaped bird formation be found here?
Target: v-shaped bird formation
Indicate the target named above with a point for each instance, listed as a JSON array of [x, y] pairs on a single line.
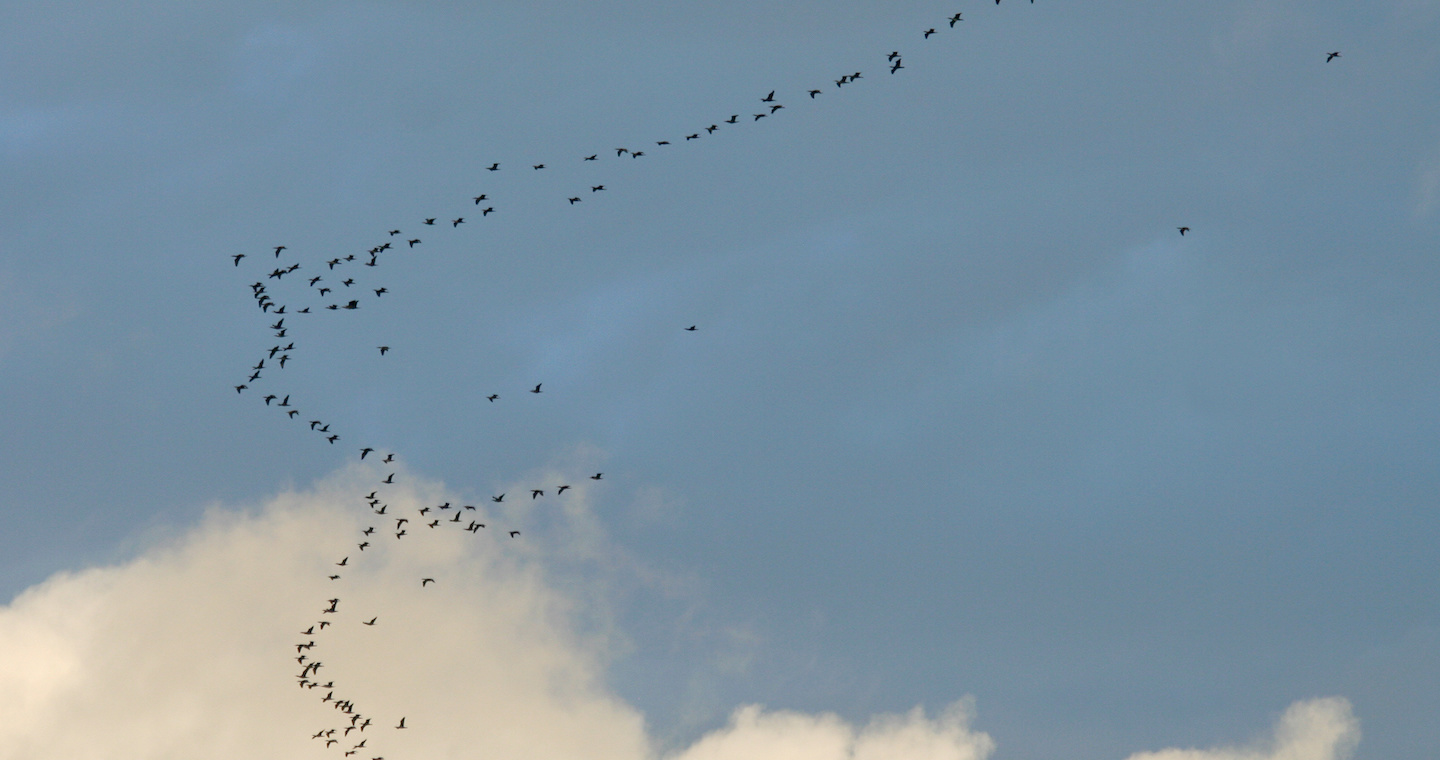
[[333, 285]]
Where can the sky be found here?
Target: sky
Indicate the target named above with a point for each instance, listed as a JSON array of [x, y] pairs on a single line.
[[971, 453]]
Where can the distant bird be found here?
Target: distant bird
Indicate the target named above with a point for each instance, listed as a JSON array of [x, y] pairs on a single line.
[[487, 211], [363, 452], [270, 398], [931, 30], [691, 328], [619, 151], [536, 389], [332, 439], [495, 167], [402, 723], [663, 142], [893, 55], [492, 397], [561, 490], [574, 201], [711, 129], [388, 458], [414, 242], [538, 167], [333, 262], [431, 220], [314, 280], [237, 258], [597, 188], [637, 154], [956, 17], [734, 117], [389, 479], [479, 198], [813, 93], [896, 67], [514, 533], [592, 158], [334, 577], [1328, 58], [363, 544], [394, 232], [596, 476], [342, 562], [760, 116], [348, 282], [381, 291], [241, 387], [457, 222], [536, 493], [768, 98], [371, 621], [278, 249], [424, 581], [1183, 230], [293, 413], [498, 499]]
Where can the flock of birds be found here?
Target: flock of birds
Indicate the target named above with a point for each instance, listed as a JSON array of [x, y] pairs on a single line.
[[335, 288]]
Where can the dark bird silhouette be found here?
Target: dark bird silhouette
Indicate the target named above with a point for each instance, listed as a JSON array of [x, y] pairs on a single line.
[[389, 479], [323, 291], [1183, 230], [574, 201], [896, 67], [695, 136], [424, 581], [457, 222], [711, 129], [431, 220], [314, 280], [381, 291], [734, 117], [388, 458], [498, 499], [352, 305], [371, 621], [768, 98], [348, 282], [241, 387], [893, 55], [343, 562], [1328, 58], [495, 167], [561, 489], [492, 397], [663, 142], [285, 401], [253, 377], [278, 249], [270, 398], [514, 533], [538, 167], [813, 93], [597, 188], [364, 452], [596, 476], [637, 154], [293, 413], [775, 108], [760, 116], [931, 31], [691, 328], [368, 531], [487, 211], [332, 439], [332, 262], [237, 258], [414, 242], [956, 17], [619, 151], [479, 198], [394, 232], [536, 389], [592, 158], [363, 544], [334, 577], [536, 493]]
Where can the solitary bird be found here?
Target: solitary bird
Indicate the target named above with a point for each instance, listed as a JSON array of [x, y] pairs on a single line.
[[1328, 59], [381, 291], [592, 158], [691, 328], [597, 188], [498, 499], [536, 493], [492, 397], [402, 723], [514, 533], [424, 581], [536, 389], [495, 167], [1183, 230], [538, 167], [596, 476], [343, 562], [371, 621]]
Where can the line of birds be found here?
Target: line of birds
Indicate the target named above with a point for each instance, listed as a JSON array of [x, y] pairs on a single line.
[[433, 517]]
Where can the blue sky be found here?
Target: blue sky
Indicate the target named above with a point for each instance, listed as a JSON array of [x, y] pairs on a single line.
[[963, 413]]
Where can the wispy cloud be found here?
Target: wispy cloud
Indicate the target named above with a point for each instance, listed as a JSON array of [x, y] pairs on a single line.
[[1318, 729]]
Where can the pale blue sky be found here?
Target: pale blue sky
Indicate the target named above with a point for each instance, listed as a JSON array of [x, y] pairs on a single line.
[[964, 413]]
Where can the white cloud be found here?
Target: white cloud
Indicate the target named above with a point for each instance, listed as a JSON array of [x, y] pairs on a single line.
[[189, 651], [1319, 729]]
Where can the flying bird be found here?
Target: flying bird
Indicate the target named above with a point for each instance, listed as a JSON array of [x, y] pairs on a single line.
[[768, 98], [431, 220], [514, 533], [956, 17], [574, 201], [691, 328], [414, 242], [931, 30], [813, 93], [495, 167], [592, 158], [536, 389], [1328, 58], [364, 452], [538, 167], [278, 249], [535, 493], [498, 499], [1183, 230], [479, 198], [492, 397], [596, 476], [384, 350], [457, 222], [237, 258], [424, 581]]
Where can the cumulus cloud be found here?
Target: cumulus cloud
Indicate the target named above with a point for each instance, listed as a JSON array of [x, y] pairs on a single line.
[[189, 650], [1319, 729]]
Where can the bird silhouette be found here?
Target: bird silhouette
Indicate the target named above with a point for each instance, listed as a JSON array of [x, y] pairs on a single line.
[[384, 350], [1328, 58], [1183, 230], [495, 167], [536, 389]]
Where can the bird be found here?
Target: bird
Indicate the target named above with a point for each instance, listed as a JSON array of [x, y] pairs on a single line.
[[394, 232], [363, 544], [402, 723], [479, 198], [538, 167], [813, 93], [388, 458], [536, 493], [619, 151], [1328, 58], [893, 55], [574, 201], [896, 67], [734, 117], [334, 577], [596, 476], [278, 249], [931, 30], [768, 98], [368, 531], [381, 291], [342, 562], [498, 499], [495, 167], [241, 387], [457, 222], [775, 108], [430, 221], [270, 398], [1183, 230], [487, 211], [424, 581], [760, 116], [663, 142], [711, 129], [414, 242], [348, 282], [384, 350], [637, 154], [293, 413], [514, 533], [592, 158], [561, 490], [691, 328], [597, 188], [536, 389], [389, 479], [363, 453], [332, 439], [492, 397], [237, 258], [955, 18]]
